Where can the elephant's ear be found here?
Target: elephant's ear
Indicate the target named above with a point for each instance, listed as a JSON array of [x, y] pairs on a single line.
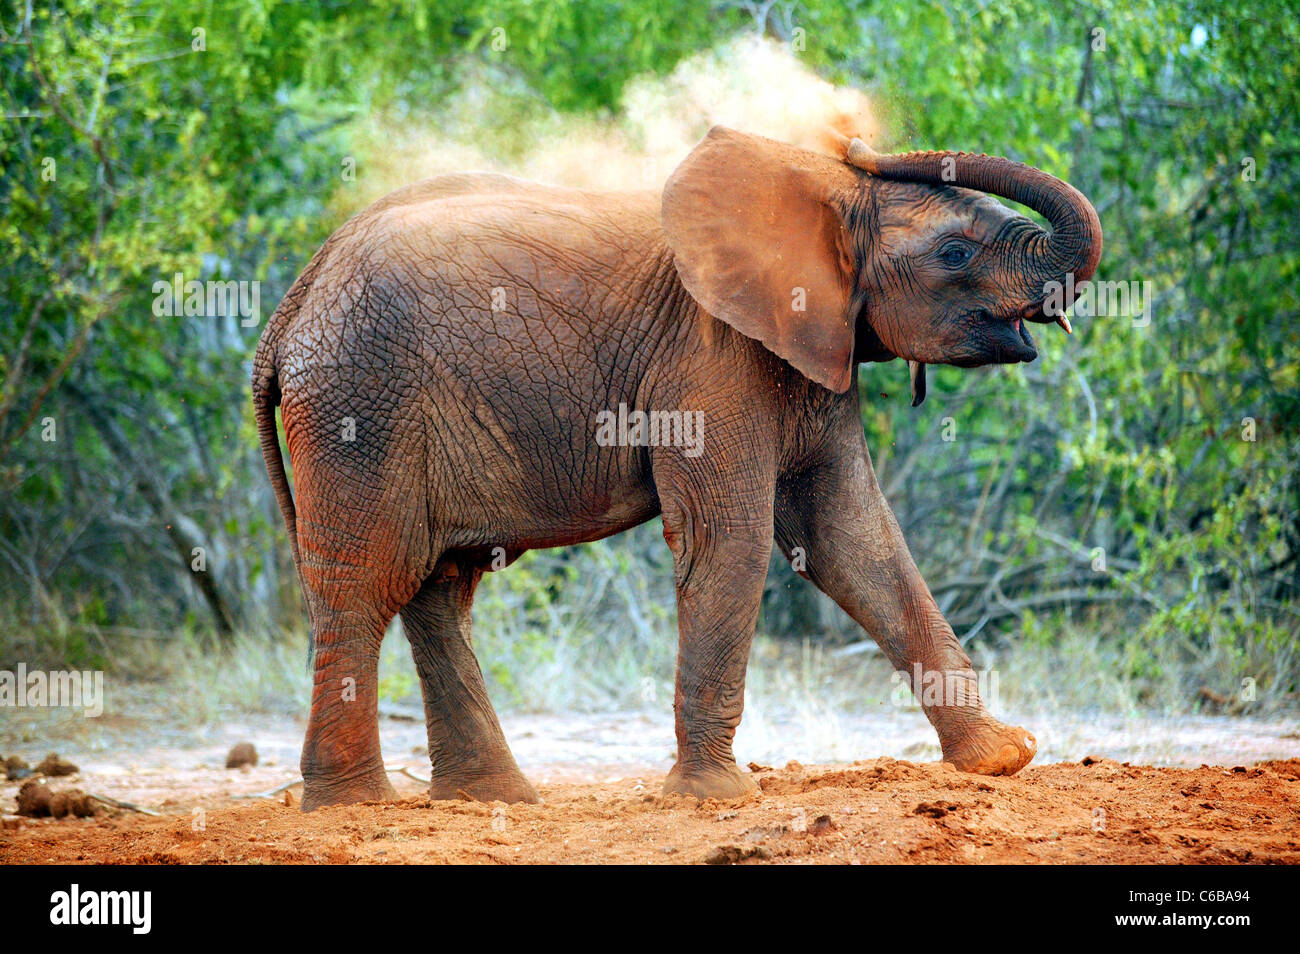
[[760, 246]]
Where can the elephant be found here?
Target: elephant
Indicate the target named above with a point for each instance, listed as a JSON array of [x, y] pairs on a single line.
[[445, 364]]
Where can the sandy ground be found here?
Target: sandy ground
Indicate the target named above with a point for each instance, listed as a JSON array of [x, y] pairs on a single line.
[[1224, 790], [880, 811]]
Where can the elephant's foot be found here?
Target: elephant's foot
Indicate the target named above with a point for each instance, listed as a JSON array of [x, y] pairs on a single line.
[[722, 781], [989, 747], [372, 785], [502, 786]]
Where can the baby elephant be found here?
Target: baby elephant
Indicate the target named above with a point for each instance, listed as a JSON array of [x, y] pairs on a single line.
[[476, 366]]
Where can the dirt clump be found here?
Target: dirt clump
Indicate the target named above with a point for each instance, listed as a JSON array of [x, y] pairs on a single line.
[[1287, 768], [241, 754], [55, 766], [73, 801], [34, 799], [822, 825], [37, 800], [734, 854]]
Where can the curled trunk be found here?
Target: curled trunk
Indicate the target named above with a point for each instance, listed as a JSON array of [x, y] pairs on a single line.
[[1074, 245]]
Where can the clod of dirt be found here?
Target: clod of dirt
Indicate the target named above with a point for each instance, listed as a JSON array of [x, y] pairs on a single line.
[[755, 767], [34, 799], [822, 825], [242, 754], [16, 768], [55, 766], [933, 809], [72, 801], [1287, 768], [1090, 760], [733, 854], [288, 799]]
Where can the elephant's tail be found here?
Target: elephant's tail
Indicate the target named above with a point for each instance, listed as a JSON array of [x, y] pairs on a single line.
[[266, 397]]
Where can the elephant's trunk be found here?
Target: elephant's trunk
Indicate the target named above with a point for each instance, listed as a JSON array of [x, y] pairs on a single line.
[[1073, 247]]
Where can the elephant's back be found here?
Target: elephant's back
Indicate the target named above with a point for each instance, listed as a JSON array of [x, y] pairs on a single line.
[[477, 252], [492, 208], [488, 306]]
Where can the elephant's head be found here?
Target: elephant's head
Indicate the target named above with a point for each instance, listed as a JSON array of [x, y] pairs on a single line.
[[829, 262]]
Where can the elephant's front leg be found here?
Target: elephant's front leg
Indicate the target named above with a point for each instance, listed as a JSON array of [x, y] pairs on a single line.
[[856, 554], [721, 540]]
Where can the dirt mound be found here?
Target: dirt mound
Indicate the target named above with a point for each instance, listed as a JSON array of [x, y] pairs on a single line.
[[37, 800], [56, 766], [241, 754], [1289, 768], [797, 779], [867, 812]]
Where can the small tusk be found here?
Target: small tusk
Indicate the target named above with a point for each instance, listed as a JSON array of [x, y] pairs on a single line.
[[1064, 323]]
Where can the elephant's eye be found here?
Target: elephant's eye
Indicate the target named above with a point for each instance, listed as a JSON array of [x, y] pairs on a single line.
[[955, 254]]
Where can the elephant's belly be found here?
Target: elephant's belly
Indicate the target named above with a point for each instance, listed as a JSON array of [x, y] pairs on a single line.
[[585, 525], [531, 477]]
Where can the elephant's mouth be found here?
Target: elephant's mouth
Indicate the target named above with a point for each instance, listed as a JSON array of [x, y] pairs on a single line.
[[1037, 312], [1023, 348], [1009, 340]]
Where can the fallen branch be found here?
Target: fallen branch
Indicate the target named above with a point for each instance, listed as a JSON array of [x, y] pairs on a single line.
[[400, 713], [124, 805], [273, 792], [1059, 598]]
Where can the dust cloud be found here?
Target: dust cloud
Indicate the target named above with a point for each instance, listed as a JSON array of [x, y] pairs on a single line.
[[493, 124]]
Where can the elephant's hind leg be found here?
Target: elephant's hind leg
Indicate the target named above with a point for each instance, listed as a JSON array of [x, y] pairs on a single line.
[[341, 761], [466, 745], [359, 562]]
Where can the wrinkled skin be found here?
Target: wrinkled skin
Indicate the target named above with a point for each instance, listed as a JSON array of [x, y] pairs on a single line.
[[440, 366]]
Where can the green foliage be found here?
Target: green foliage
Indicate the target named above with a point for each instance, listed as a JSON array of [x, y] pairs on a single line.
[[588, 626]]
